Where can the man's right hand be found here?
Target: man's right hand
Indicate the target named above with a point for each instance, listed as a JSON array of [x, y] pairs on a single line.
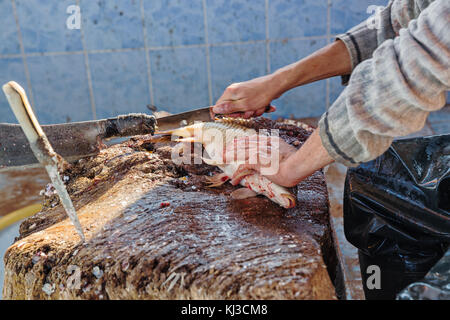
[[248, 99]]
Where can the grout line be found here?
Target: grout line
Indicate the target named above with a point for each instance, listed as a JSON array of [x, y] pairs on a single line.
[[202, 45], [23, 55], [147, 55], [47, 54], [300, 38], [329, 20], [437, 121], [327, 94], [184, 46], [88, 69], [327, 91], [267, 37], [224, 44], [94, 51], [9, 56], [208, 59]]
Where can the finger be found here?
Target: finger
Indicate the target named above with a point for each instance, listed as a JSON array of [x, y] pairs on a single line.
[[228, 107], [259, 112], [229, 94], [248, 155], [236, 150], [253, 141], [243, 171], [267, 109], [253, 137], [211, 113], [230, 151], [236, 115], [248, 114]]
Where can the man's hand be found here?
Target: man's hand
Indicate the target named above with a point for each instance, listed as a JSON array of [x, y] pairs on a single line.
[[258, 148], [259, 153], [293, 166], [248, 99]]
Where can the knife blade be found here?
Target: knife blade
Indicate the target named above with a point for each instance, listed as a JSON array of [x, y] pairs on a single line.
[[184, 119], [77, 140], [71, 140]]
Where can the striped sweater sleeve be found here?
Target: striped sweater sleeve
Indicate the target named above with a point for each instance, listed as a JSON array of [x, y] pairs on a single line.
[[391, 94], [362, 40]]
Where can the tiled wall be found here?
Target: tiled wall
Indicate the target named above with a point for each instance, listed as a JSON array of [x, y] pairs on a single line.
[[175, 54]]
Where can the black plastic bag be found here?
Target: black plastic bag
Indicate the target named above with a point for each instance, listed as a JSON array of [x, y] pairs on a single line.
[[396, 212], [435, 285]]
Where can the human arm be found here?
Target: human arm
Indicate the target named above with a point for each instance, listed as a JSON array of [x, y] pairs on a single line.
[[362, 40], [250, 98], [391, 94]]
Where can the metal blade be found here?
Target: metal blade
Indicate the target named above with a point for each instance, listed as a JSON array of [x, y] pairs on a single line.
[[70, 140], [184, 119], [81, 139], [66, 201]]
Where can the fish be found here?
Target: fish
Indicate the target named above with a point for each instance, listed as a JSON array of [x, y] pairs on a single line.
[[254, 183]]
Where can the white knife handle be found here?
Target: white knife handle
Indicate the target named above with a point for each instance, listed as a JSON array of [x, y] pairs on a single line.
[[18, 101]]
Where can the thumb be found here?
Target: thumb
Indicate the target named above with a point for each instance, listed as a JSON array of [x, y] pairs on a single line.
[[243, 171], [229, 107]]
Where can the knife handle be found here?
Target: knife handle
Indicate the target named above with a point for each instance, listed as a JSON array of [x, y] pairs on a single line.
[[128, 125], [19, 104]]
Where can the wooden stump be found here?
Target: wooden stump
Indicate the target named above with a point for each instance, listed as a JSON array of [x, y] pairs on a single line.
[[155, 232]]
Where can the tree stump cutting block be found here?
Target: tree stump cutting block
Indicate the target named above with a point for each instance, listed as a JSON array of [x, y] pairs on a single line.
[[155, 232]]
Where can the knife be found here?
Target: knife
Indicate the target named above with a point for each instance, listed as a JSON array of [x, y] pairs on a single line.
[[41, 147], [77, 140]]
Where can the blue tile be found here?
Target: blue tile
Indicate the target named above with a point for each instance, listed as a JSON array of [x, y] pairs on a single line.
[[60, 88], [441, 127], [112, 24], [345, 14], [248, 61], [9, 41], [336, 89], [12, 69], [297, 18], [235, 20], [179, 78], [43, 26], [305, 101], [174, 22], [442, 115], [120, 82]]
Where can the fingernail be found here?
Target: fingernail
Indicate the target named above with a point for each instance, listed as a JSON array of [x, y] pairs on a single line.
[[218, 109]]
